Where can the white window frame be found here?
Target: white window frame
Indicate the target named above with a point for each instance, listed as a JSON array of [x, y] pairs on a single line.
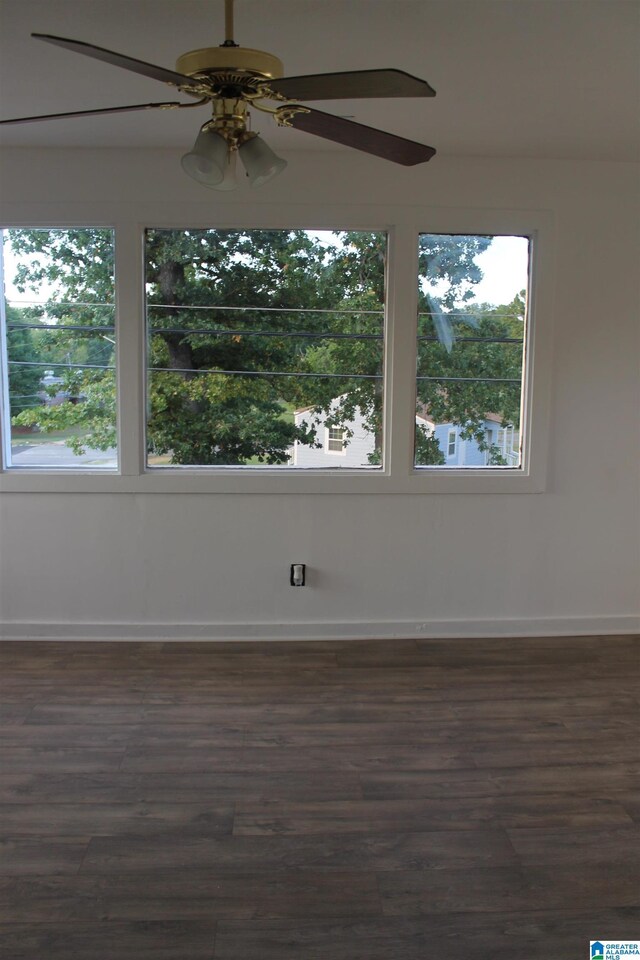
[[342, 452], [452, 441], [398, 474], [5, 406]]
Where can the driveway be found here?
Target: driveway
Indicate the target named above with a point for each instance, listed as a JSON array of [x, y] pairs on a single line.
[[57, 454]]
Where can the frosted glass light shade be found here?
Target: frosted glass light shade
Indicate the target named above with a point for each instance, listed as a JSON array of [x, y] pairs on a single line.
[[207, 162], [260, 162], [228, 181]]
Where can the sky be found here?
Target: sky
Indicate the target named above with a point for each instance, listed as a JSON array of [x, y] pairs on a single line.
[[504, 265]]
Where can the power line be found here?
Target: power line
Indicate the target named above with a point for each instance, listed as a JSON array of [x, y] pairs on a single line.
[[271, 373], [54, 363], [60, 328], [470, 379], [270, 333], [434, 339], [302, 334], [239, 309], [59, 303]]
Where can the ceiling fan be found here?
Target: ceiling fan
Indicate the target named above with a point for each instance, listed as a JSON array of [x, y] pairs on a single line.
[[231, 79]]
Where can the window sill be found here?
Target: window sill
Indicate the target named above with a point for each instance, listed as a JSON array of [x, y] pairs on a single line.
[[268, 482]]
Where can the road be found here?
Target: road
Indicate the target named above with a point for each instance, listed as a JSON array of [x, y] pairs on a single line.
[[58, 454]]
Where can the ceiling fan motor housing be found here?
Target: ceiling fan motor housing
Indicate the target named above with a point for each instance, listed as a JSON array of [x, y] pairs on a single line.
[[239, 61]]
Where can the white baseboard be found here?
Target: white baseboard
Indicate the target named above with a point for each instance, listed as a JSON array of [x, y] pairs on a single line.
[[322, 630]]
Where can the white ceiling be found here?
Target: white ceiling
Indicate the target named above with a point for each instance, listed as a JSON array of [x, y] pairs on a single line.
[[514, 78]]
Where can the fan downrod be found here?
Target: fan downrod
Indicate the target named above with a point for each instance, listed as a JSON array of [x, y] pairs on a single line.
[[230, 58]]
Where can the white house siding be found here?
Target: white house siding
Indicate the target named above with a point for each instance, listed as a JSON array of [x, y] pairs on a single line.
[[468, 453], [355, 453], [361, 444]]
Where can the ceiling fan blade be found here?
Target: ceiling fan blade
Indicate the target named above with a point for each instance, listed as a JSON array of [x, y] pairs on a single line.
[[119, 60], [352, 85], [357, 135], [93, 113]]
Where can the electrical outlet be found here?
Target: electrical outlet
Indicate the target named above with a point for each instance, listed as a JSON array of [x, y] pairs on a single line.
[[297, 574]]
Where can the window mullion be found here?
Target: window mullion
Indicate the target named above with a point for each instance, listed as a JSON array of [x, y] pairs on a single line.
[[5, 412], [402, 309], [130, 347]]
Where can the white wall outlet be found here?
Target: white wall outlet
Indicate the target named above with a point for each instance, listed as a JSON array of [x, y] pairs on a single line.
[[297, 575]]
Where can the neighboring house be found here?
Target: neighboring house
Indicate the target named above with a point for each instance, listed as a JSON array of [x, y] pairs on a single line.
[[338, 447], [51, 399], [351, 444], [48, 381], [466, 453]]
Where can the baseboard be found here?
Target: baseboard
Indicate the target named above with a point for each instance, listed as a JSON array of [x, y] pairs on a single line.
[[322, 630]]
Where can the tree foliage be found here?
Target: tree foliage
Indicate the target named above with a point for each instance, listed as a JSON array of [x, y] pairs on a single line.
[[479, 374], [227, 310], [22, 348]]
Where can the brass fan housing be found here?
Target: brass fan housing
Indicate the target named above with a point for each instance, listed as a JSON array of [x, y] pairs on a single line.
[[240, 61]]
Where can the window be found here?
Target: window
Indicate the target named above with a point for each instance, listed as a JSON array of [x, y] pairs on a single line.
[[240, 346], [509, 445], [254, 336], [335, 440], [57, 336], [472, 306]]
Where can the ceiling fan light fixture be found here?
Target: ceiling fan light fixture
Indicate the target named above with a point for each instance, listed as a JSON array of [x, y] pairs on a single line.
[[259, 160], [207, 162], [228, 181]]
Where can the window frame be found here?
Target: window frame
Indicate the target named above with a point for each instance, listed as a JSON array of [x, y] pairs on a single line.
[[328, 440], [253, 468], [398, 475], [5, 406]]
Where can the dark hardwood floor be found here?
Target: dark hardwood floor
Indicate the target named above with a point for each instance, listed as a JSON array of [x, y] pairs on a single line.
[[396, 800]]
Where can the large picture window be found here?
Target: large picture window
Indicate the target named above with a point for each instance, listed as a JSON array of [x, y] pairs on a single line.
[[302, 359], [57, 326], [472, 333], [254, 338]]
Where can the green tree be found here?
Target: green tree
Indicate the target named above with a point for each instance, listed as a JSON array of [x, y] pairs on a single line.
[[229, 300], [22, 348], [479, 373], [450, 262], [76, 267]]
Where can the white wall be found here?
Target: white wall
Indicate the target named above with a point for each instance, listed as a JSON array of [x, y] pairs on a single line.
[[566, 560]]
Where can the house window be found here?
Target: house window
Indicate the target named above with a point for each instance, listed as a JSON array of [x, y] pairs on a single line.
[[335, 440], [472, 332], [247, 328], [240, 345], [57, 343]]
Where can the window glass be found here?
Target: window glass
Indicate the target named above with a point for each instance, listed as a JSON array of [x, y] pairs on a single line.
[[472, 295], [58, 340], [255, 337], [335, 440]]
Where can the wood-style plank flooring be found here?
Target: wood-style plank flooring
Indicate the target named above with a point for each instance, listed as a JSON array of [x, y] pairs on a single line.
[[395, 800]]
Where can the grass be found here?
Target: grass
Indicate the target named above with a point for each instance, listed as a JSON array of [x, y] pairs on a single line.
[[54, 436]]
